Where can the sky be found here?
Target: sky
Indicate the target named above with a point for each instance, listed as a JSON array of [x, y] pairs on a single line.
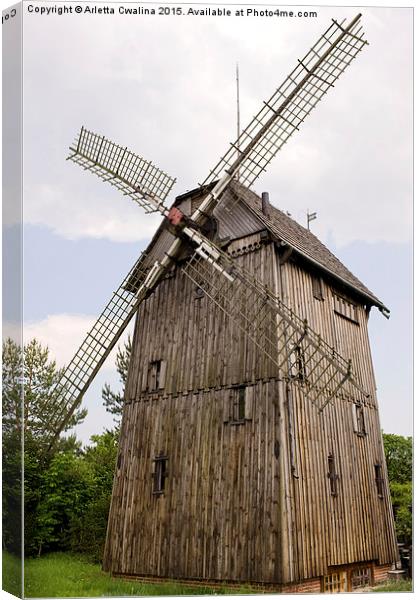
[[165, 87]]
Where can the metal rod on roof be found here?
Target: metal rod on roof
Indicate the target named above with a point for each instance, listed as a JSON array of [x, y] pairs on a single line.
[[238, 115], [310, 217]]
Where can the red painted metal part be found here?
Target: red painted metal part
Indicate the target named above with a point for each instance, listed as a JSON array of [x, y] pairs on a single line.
[[175, 216]]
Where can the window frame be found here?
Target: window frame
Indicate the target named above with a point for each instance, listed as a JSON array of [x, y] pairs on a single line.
[[156, 375], [358, 415], [332, 475], [379, 479], [345, 308], [335, 582], [348, 578], [159, 474], [239, 405], [317, 287], [364, 576]]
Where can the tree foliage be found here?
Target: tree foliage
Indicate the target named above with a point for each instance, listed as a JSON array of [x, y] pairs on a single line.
[[114, 401], [66, 492], [29, 399], [29, 404], [88, 529], [399, 458]]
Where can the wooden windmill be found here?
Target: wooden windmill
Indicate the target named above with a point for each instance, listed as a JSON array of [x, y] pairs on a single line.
[[250, 444]]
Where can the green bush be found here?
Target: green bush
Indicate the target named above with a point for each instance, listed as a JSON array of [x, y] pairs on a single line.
[[399, 458]]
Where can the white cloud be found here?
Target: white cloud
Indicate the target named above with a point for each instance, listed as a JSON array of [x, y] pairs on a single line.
[[88, 215], [169, 94], [62, 333]]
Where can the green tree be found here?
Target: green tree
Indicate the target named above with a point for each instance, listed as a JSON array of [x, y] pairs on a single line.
[[88, 528], [29, 400], [399, 458], [67, 487], [29, 404], [114, 401]]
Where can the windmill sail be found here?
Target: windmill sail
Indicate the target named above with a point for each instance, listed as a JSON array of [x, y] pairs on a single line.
[[271, 325], [288, 341], [97, 345], [134, 176], [283, 114]]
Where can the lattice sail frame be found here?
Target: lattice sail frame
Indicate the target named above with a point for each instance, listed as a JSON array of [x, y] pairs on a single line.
[[291, 103], [300, 354], [134, 176], [97, 345], [256, 311]]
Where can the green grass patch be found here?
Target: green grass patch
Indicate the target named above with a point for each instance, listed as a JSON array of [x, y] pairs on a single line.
[[12, 574], [400, 585], [69, 575]]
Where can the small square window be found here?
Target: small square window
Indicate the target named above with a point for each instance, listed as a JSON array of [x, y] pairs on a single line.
[[345, 308], [359, 419], [160, 474], [156, 375], [360, 577], [238, 409], [332, 475], [318, 287], [239, 406], [335, 582], [379, 481]]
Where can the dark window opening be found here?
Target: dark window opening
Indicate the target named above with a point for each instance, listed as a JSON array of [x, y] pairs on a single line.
[[345, 308], [318, 289], [156, 375], [360, 577], [332, 475], [359, 419], [160, 474], [297, 364], [240, 405], [238, 397], [379, 481]]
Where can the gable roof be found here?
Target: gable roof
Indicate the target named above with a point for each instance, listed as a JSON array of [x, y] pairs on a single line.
[[245, 216], [305, 243]]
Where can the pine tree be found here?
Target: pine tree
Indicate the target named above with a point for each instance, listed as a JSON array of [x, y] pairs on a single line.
[[114, 401]]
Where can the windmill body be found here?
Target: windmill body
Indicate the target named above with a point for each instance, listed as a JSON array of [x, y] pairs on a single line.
[[226, 470], [250, 446]]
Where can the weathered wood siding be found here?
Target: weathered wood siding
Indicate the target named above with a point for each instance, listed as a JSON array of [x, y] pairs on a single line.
[[218, 516], [356, 525], [200, 345], [348, 338], [248, 501]]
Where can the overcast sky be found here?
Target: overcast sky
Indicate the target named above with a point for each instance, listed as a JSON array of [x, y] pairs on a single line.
[[165, 87]]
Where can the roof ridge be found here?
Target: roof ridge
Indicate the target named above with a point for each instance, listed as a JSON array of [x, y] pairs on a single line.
[[304, 242]]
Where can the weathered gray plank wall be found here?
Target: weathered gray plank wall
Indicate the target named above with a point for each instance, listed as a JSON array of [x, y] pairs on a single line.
[[247, 502]]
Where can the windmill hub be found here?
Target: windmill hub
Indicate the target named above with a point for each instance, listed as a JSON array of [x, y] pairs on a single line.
[[175, 216]]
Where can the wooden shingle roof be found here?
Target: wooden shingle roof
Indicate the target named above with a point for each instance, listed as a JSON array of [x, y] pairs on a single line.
[[244, 216], [304, 242]]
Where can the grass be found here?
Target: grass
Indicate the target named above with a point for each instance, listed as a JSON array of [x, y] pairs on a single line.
[[12, 580], [400, 585], [67, 575]]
